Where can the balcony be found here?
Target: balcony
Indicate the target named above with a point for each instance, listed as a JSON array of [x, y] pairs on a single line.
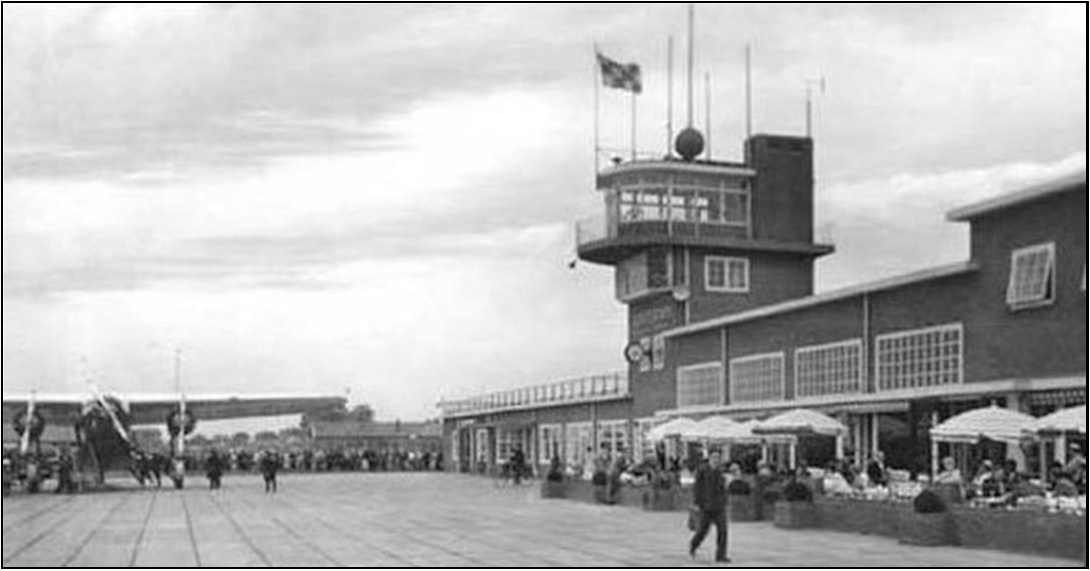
[[637, 215], [611, 386]]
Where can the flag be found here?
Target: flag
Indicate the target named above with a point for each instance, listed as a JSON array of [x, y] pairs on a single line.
[[618, 75]]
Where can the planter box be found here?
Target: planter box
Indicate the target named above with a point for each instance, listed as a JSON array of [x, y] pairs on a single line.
[[659, 500], [631, 496], [601, 495], [580, 490], [554, 490], [672, 500], [1039, 533], [743, 509], [878, 518], [926, 530], [795, 515]]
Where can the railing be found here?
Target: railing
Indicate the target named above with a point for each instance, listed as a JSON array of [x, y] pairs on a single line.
[[612, 385], [636, 211]]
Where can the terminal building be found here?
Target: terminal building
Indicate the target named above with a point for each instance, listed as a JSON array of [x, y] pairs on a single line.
[[715, 262]]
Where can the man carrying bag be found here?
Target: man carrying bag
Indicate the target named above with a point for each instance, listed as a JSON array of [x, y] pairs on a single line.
[[710, 497]]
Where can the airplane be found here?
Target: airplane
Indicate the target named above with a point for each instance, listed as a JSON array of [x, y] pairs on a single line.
[[102, 423]]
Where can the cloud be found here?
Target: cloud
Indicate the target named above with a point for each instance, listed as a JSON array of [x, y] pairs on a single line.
[[891, 226], [381, 195]]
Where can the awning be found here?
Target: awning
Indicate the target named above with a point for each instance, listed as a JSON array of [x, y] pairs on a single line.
[[1067, 420], [801, 421], [674, 428], [993, 423], [711, 428]]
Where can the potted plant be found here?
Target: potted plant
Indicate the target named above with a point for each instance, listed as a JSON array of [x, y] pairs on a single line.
[[742, 503], [796, 510], [928, 524]]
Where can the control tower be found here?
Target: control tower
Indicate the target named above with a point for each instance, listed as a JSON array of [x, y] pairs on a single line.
[[691, 240]]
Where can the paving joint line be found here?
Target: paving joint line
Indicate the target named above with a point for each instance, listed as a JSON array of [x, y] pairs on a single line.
[[238, 529], [94, 531], [189, 530], [143, 531]]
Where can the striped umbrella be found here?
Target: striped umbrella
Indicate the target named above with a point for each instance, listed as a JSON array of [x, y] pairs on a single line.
[[801, 421], [1066, 420], [993, 423], [674, 428]]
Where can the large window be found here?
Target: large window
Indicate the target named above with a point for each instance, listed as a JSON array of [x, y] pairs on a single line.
[[687, 199], [613, 437], [551, 440], [831, 369], [505, 441], [1032, 278], [920, 358], [645, 447], [578, 440], [723, 274], [759, 378], [700, 385]]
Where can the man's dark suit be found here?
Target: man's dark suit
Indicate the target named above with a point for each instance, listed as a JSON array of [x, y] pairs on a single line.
[[710, 495]]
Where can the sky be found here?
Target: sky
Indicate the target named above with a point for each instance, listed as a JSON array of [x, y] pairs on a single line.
[[380, 199]]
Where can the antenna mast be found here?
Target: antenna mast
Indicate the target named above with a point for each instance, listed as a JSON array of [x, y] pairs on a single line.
[[690, 74]]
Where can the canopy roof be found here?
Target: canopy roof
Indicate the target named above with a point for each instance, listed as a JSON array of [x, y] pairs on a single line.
[[994, 423], [711, 428], [673, 428], [801, 421], [1066, 421]]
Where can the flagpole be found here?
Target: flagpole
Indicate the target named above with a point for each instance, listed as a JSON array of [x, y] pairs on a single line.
[[749, 90], [597, 108], [690, 72], [633, 125], [669, 96], [708, 114]]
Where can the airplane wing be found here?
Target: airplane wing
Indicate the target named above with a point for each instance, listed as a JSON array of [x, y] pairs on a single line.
[[154, 409], [61, 409], [147, 409]]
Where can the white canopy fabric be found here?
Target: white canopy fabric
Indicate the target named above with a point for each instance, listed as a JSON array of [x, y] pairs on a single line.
[[673, 428], [742, 433], [994, 423], [801, 421], [718, 428], [1066, 420]]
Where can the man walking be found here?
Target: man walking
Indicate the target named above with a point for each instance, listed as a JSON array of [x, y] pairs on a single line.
[[710, 496], [270, 465], [518, 462]]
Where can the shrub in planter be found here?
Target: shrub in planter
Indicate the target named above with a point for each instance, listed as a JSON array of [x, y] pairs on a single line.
[[796, 491], [928, 524], [796, 510], [739, 488]]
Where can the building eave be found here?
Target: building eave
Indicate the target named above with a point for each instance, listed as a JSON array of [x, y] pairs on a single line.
[[829, 297], [1067, 183]]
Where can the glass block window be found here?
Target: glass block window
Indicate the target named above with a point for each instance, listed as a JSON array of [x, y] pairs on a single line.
[[920, 358], [1032, 278], [832, 369], [759, 378], [700, 385]]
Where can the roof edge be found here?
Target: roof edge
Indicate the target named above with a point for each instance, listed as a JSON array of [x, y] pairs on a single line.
[[1065, 183]]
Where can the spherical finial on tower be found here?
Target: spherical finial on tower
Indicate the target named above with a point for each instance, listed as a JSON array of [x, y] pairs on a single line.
[[689, 144]]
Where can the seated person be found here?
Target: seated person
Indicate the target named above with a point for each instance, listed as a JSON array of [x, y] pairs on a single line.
[[950, 473], [835, 483]]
